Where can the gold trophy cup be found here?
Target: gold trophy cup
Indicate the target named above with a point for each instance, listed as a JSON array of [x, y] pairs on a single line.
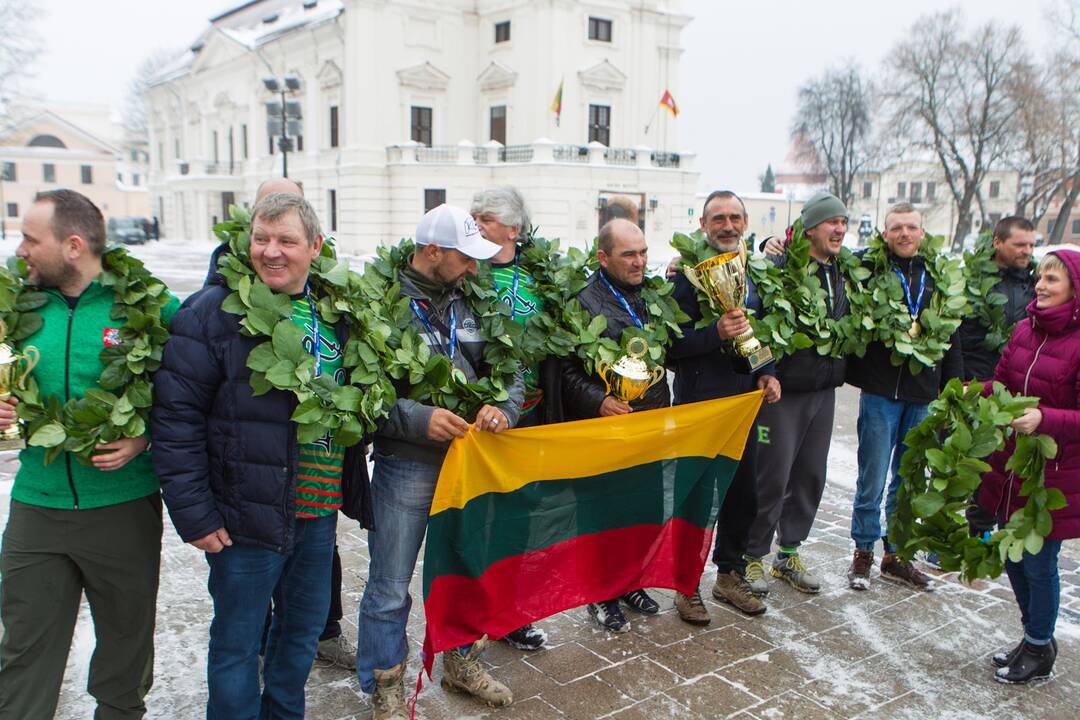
[[630, 377], [723, 280], [15, 367]]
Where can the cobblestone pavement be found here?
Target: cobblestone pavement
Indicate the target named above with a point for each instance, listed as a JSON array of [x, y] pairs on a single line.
[[890, 652]]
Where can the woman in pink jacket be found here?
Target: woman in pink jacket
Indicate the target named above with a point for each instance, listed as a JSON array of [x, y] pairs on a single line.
[[1042, 359]]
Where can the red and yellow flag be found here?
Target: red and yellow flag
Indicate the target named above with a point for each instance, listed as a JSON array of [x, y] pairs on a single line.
[[556, 104], [668, 101]]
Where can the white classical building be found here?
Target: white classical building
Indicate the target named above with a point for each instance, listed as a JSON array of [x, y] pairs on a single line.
[[407, 104]]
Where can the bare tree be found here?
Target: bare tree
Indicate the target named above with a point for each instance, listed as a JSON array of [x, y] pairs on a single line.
[[1038, 155], [1064, 85], [948, 95], [136, 111], [832, 125], [19, 48]]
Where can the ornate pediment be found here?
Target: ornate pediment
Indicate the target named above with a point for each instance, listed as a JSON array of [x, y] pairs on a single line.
[[603, 76], [329, 75], [496, 76], [424, 76]]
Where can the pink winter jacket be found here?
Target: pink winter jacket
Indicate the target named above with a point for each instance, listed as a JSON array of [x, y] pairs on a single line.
[[1042, 359]]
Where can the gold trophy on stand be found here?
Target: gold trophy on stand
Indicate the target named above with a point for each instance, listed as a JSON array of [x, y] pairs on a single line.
[[630, 377], [15, 367], [723, 280]]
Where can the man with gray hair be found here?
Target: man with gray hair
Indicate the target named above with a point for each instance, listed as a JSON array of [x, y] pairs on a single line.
[[238, 483]]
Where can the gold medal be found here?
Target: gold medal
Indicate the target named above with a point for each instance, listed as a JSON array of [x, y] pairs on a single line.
[[459, 375], [914, 330]]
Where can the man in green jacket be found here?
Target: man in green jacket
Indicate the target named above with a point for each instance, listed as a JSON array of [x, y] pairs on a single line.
[[73, 527]]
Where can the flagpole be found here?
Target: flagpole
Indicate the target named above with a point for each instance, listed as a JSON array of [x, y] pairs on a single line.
[[656, 109]]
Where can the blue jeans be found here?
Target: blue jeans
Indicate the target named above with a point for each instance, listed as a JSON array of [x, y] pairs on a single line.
[[882, 426], [1037, 588], [243, 579], [401, 490]]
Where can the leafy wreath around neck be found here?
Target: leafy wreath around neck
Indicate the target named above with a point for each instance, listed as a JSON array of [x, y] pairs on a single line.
[[981, 275], [382, 307], [119, 407], [282, 363], [879, 311], [943, 467]]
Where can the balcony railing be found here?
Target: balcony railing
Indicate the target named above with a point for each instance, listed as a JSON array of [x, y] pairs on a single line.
[[571, 153], [539, 151], [620, 156]]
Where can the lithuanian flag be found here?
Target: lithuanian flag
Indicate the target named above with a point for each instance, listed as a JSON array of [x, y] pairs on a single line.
[[528, 523]]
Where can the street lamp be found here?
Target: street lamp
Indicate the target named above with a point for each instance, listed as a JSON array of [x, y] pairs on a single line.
[[283, 116]]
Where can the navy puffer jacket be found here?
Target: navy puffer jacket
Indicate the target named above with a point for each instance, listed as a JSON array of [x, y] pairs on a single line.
[[225, 457]]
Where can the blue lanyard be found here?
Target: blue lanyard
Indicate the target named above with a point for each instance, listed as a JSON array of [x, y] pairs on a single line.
[[514, 288], [317, 350], [913, 307], [626, 306], [431, 331]]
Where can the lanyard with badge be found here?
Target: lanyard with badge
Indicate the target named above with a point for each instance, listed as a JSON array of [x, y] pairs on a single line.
[[913, 306], [626, 306], [317, 333], [450, 351]]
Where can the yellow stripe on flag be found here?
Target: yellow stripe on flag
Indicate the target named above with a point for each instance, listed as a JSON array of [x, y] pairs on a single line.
[[483, 462]]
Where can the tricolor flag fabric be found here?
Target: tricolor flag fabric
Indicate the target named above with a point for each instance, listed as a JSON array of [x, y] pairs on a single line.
[[667, 100], [556, 104], [528, 523]]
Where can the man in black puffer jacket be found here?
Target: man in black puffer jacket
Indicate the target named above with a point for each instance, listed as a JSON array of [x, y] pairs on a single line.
[[794, 434], [240, 487], [614, 291]]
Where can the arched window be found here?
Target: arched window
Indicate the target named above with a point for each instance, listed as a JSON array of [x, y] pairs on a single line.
[[46, 141]]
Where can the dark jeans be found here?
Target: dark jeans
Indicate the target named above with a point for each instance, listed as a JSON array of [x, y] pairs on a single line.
[[243, 579], [49, 559], [333, 617], [738, 512], [1037, 588]]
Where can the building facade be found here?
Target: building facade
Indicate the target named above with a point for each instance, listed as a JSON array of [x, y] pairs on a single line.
[[73, 147], [406, 104]]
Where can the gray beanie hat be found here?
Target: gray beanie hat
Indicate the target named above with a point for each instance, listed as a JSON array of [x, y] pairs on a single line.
[[819, 208]]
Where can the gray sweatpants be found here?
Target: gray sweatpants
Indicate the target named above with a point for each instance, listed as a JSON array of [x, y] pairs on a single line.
[[792, 454]]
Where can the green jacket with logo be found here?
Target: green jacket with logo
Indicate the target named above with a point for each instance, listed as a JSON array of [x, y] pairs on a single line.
[[70, 341]]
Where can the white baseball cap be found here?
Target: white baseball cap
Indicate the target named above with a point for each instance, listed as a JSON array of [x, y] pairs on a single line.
[[451, 227]]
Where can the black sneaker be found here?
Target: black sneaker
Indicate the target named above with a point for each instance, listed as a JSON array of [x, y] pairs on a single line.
[[1005, 657], [527, 638], [1034, 663], [608, 615], [639, 600]]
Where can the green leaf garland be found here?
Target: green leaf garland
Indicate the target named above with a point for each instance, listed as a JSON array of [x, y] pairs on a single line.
[[981, 275], [943, 466], [119, 407]]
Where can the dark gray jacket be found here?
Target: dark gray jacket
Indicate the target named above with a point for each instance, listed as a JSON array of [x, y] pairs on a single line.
[[404, 431]]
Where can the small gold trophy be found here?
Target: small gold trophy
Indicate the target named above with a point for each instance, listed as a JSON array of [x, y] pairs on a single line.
[[630, 377], [723, 280], [15, 367]]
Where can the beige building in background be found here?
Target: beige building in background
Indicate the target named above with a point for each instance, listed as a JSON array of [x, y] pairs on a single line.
[[49, 151]]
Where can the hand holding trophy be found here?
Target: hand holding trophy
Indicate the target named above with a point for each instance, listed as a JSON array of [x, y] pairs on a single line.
[[15, 367], [723, 280], [630, 377]]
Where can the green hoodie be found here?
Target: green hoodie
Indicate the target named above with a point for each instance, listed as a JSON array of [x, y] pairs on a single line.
[[70, 341]]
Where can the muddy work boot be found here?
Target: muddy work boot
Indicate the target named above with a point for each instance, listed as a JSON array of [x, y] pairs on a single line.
[[388, 700], [858, 574], [464, 673], [894, 568], [691, 609], [731, 588]]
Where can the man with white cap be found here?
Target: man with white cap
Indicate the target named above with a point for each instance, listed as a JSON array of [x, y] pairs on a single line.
[[409, 449]]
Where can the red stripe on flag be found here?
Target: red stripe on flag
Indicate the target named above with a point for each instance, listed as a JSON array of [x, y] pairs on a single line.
[[524, 588]]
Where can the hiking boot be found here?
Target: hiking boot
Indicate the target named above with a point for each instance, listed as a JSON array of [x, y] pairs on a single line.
[[692, 609], [755, 576], [608, 615], [731, 588], [1005, 657], [337, 652], [464, 673], [903, 571], [388, 700], [791, 568], [639, 600], [529, 637], [1033, 663], [858, 574]]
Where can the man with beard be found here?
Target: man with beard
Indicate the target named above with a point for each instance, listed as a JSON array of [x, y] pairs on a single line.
[[614, 291], [409, 449], [893, 401], [1014, 242], [795, 433], [706, 368], [76, 528]]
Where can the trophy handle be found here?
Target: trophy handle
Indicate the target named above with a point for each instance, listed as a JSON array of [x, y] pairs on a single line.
[[658, 374], [602, 369], [32, 356]]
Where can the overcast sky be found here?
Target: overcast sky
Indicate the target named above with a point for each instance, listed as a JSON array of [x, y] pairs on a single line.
[[743, 63]]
